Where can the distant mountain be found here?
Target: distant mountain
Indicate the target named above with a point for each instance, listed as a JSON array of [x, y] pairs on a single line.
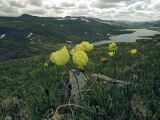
[[142, 24], [27, 16], [56, 29], [29, 35], [155, 23]]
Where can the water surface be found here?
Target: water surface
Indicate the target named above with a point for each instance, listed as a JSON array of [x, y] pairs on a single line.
[[131, 37]]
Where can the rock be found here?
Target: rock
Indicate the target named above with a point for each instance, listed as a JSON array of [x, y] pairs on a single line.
[[2, 36], [8, 118], [158, 44], [78, 80], [29, 35], [67, 41], [85, 32], [108, 80]]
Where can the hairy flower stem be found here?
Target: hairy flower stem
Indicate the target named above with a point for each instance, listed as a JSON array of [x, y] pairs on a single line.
[[79, 91], [114, 70]]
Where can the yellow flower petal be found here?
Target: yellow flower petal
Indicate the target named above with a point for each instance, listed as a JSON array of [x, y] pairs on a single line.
[[104, 60], [84, 46], [87, 46], [60, 57], [111, 54], [133, 51], [78, 47], [112, 47], [46, 65], [80, 59]]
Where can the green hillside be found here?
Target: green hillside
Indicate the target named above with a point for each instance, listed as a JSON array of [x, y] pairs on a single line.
[[30, 91], [29, 35], [33, 88]]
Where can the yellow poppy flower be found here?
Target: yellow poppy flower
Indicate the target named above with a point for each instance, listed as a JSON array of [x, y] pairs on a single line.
[[60, 57], [78, 47], [104, 60], [133, 51], [112, 47], [45, 65], [87, 46], [80, 59], [111, 54], [84, 46]]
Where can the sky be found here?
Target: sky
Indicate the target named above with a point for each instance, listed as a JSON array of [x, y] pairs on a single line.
[[132, 10]]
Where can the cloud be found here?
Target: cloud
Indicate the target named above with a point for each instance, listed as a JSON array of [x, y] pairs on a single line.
[[140, 10], [18, 4], [37, 11], [7, 9], [82, 6], [35, 2], [155, 5], [67, 4], [108, 1], [105, 5]]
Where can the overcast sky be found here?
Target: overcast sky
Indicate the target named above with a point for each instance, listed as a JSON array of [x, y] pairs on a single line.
[[134, 10]]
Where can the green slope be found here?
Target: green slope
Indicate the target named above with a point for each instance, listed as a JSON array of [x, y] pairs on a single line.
[[48, 32], [30, 91]]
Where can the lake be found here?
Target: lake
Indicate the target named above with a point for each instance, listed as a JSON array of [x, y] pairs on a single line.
[[131, 37]]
